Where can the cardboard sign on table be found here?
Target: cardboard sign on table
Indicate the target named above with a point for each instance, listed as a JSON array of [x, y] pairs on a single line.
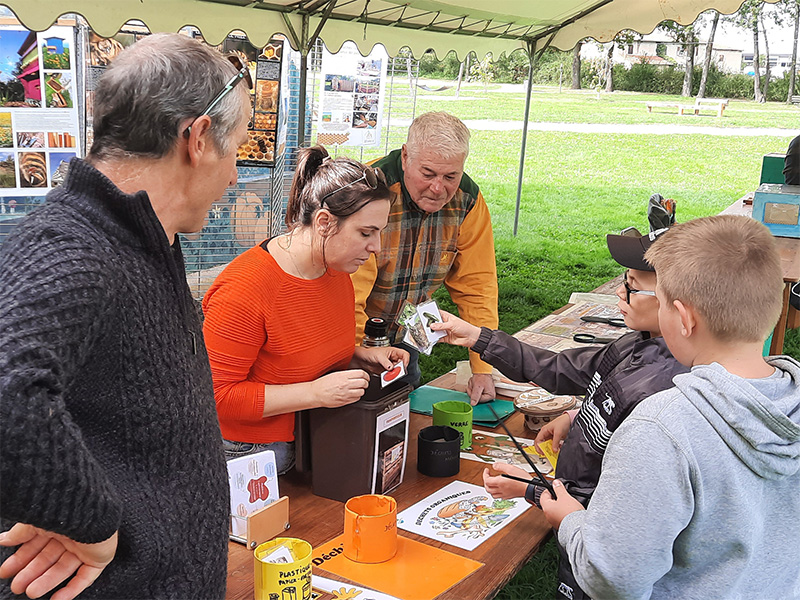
[[460, 514], [253, 481]]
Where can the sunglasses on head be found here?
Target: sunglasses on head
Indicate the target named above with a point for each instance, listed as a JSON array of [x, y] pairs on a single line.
[[242, 73], [369, 176]]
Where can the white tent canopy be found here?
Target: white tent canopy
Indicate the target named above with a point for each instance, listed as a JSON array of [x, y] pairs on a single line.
[[443, 25]]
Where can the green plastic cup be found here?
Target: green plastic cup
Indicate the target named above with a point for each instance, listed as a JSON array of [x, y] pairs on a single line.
[[458, 415]]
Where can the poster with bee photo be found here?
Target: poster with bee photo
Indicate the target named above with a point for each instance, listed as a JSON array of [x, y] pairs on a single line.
[[266, 70], [351, 97]]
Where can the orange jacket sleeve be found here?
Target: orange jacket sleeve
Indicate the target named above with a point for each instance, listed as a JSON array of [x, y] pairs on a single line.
[[472, 280]]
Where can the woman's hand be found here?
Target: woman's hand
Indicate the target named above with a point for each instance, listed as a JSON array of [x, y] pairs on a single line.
[[459, 332], [45, 560], [501, 487], [377, 360], [555, 430], [339, 388]]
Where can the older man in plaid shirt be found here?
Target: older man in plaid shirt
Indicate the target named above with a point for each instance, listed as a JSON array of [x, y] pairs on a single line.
[[439, 232]]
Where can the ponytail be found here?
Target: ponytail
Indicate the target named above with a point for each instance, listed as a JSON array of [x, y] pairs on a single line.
[[309, 160]]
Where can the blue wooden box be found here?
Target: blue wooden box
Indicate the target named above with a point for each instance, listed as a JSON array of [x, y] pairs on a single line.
[[778, 207]]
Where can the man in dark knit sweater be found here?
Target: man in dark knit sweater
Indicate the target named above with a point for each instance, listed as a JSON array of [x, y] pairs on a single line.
[[791, 164], [113, 477]]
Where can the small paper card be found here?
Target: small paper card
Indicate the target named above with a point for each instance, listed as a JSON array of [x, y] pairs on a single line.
[[429, 314], [418, 320], [253, 482], [396, 372], [281, 554], [549, 453]]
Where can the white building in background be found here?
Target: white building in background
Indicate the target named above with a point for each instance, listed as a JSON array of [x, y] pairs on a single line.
[[660, 50], [778, 63], [732, 51]]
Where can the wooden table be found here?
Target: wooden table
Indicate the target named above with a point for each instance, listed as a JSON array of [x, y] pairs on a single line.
[[318, 520], [789, 249]]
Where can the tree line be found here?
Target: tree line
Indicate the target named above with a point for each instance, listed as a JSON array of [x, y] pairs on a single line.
[[555, 67]]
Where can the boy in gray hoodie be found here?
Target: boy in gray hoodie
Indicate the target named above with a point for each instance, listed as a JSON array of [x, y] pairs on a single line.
[[699, 495]]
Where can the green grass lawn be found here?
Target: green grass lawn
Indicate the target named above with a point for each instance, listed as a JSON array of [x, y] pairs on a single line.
[[577, 187], [584, 106]]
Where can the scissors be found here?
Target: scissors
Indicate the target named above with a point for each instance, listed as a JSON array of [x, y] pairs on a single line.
[[588, 338], [613, 321]]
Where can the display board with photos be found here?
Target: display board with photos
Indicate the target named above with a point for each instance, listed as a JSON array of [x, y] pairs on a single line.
[[352, 90], [39, 104], [267, 126], [266, 136]]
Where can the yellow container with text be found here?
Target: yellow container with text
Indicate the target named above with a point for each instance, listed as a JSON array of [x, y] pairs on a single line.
[[283, 569]]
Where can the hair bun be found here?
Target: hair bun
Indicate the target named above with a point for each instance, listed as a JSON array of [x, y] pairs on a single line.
[[315, 156]]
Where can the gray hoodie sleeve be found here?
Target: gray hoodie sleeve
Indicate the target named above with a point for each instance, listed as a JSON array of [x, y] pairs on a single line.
[[623, 543], [565, 372]]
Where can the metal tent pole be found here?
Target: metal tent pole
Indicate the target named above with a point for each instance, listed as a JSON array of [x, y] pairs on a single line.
[[301, 108], [305, 44], [531, 58]]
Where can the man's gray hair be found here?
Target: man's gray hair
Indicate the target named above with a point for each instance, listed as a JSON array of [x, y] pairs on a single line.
[[153, 87], [440, 132]]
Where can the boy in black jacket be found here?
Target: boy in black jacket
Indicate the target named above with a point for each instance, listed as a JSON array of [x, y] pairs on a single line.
[[614, 379]]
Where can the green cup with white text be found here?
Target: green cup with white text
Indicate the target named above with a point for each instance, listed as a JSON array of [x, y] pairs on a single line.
[[458, 415]]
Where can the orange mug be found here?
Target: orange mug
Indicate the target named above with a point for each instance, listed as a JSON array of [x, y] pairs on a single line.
[[370, 528]]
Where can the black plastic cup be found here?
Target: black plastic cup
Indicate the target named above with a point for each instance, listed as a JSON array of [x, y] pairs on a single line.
[[438, 451]]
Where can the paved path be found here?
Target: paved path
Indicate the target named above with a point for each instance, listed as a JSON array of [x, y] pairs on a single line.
[[612, 128], [651, 129], [604, 128]]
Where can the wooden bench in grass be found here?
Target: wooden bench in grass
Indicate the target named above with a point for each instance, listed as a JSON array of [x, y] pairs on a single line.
[[682, 108], [716, 104]]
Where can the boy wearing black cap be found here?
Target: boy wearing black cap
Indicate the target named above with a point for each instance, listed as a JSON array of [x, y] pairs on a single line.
[[699, 492], [614, 379]]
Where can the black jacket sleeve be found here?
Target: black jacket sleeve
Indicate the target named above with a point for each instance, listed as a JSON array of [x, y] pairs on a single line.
[[52, 303], [791, 168], [565, 372]]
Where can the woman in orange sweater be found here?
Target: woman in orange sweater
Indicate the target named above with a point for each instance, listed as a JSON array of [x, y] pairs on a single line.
[[280, 319]]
